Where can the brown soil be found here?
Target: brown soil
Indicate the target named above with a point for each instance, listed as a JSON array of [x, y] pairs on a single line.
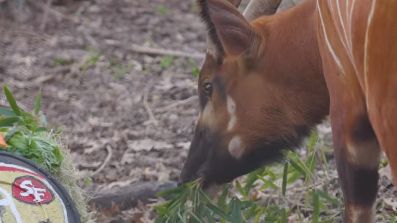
[[95, 86]]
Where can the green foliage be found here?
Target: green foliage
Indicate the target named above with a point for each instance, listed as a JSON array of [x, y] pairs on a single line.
[[166, 62], [189, 203], [195, 68], [90, 60], [60, 61], [162, 10], [238, 204], [118, 69], [26, 134]]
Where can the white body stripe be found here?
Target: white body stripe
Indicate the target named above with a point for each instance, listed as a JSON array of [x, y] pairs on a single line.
[[327, 42], [343, 26], [369, 22], [351, 22]]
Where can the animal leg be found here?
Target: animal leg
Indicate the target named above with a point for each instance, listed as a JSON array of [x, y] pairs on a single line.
[[381, 77], [357, 158]]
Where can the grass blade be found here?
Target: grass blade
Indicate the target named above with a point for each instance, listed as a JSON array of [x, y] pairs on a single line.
[[268, 184], [297, 167], [37, 103], [334, 201], [312, 141], [9, 121], [11, 100]]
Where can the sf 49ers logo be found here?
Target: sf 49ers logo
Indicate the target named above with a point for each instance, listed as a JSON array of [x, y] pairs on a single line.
[[31, 190]]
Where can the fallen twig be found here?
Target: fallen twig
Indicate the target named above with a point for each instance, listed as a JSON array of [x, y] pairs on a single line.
[[164, 52], [90, 165], [44, 78], [178, 103], [152, 119], [109, 149], [91, 40], [113, 201]]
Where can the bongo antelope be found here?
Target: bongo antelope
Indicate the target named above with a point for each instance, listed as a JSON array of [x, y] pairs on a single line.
[[268, 80]]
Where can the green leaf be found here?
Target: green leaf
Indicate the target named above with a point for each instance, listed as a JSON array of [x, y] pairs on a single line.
[[297, 167], [222, 199], [235, 215], [251, 179], [19, 141], [240, 189], [12, 101], [259, 215], [218, 211], [195, 217], [312, 141], [284, 216], [9, 121], [6, 112], [166, 62], [37, 103], [268, 184], [311, 162], [334, 201], [41, 129]]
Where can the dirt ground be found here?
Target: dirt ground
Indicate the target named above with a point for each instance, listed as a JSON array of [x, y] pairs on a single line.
[[132, 110], [100, 92]]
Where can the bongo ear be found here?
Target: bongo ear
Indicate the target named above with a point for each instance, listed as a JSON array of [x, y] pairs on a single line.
[[229, 32]]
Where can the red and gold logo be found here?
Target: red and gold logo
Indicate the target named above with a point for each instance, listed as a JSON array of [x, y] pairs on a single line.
[[27, 196], [30, 190]]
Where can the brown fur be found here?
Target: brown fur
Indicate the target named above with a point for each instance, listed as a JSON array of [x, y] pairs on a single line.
[[272, 97], [364, 85], [285, 73]]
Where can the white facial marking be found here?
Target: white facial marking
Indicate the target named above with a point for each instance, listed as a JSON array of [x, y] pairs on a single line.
[[231, 105], [231, 109], [207, 116], [236, 148], [232, 123]]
